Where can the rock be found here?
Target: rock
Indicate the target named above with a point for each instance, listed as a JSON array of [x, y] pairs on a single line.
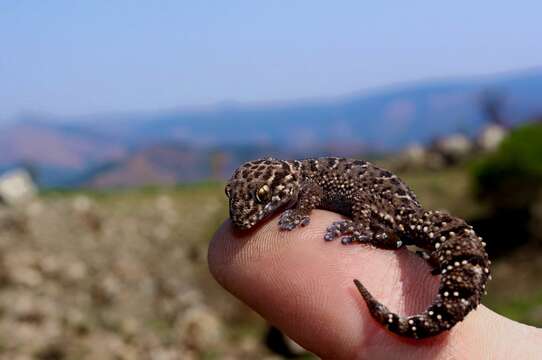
[[199, 328], [491, 137], [453, 148], [412, 157], [82, 203], [16, 187]]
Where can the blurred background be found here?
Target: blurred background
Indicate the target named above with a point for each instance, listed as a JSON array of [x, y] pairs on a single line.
[[120, 122]]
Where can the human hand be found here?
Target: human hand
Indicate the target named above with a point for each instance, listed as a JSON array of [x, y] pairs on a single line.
[[303, 285]]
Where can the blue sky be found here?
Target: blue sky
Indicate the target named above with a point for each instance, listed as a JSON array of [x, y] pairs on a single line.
[[77, 57]]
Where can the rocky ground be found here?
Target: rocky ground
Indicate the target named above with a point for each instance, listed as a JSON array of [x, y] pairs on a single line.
[[123, 275], [118, 276]]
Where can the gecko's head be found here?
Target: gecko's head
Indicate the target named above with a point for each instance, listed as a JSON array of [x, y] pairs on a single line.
[[258, 188]]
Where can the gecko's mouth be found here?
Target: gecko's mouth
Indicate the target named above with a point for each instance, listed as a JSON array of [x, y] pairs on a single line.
[[248, 222], [274, 207]]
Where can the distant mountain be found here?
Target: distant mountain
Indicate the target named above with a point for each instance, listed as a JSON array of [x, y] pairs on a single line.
[[53, 145], [132, 145], [170, 163]]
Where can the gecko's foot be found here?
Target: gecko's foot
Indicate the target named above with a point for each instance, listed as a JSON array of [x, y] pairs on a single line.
[[353, 232], [290, 219], [337, 229]]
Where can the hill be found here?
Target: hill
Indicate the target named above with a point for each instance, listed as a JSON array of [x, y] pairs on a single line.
[[381, 120]]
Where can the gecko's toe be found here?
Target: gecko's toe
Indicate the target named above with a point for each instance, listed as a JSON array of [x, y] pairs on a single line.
[[336, 229], [289, 220], [286, 227], [347, 240], [332, 233]]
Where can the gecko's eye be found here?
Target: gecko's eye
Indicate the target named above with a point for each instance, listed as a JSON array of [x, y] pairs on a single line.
[[227, 190], [263, 194]]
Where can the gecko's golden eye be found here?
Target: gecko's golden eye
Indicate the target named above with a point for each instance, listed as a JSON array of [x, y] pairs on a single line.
[[263, 194], [227, 190]]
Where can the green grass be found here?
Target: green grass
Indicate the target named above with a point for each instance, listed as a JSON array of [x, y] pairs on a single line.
[[525, 308], [211, 186]]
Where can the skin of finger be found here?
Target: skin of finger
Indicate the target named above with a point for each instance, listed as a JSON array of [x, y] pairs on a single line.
[[303, 285]]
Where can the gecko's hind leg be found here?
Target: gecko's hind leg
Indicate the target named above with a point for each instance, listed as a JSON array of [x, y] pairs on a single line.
[[350, 231]]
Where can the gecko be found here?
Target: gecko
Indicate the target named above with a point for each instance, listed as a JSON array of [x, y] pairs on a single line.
[[381, 211]]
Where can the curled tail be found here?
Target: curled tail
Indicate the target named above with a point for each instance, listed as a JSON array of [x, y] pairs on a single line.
[[460, 258]]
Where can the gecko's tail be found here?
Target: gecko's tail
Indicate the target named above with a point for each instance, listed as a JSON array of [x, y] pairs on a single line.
[[460, 259], [451, 305], [417, 326]]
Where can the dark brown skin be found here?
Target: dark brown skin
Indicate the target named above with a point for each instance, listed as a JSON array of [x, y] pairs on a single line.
[[383, 212]]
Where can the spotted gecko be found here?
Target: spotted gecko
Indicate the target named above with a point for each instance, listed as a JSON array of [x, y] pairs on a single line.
[[382, 212]]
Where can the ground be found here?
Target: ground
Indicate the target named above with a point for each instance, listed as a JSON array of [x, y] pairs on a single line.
[[112, 275]]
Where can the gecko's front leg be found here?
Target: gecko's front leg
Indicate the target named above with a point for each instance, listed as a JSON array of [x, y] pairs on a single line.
[[310, 196]]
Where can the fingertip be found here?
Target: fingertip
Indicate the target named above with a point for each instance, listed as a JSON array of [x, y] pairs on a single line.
[[309, 288], [293, 279]]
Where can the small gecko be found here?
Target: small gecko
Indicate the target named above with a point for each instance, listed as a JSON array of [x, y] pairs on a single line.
[[382, 212]]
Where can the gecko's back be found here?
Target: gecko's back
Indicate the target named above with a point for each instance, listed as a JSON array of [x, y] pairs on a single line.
[[349, 180]]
